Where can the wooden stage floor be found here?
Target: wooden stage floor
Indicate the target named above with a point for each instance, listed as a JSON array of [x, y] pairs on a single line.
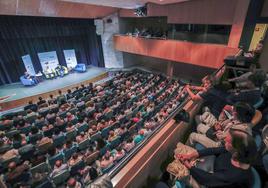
[[19, 95]]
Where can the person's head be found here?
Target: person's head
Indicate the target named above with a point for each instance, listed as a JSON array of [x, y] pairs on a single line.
[[40, 98], [244, 112], [58, 163], [56, 131], [75, 156], [82, 134], [51, 96], [59, 92], [58, 119], [111, 133], [241, 145], [29, 111], [69, 124], [30, 102], [93, 173], [141, 132], [257, 78], [34, 130], [12, 165], [80, 119], [17, 136], [107, 155], [52, 151], [68, 144], [71, 182], [39, 117], [94, 127]]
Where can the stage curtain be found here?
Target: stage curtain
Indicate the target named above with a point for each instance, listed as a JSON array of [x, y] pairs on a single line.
[[21, 35]]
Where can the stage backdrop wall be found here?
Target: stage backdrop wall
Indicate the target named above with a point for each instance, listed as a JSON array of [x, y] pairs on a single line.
[[32, 35]]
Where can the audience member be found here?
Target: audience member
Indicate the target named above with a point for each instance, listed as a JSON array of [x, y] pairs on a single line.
[[58, 168], [231, 166]]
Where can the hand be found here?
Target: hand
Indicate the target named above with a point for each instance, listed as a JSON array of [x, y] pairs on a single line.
[[217, 126], [188, 164], [219, 135], [189, 157]]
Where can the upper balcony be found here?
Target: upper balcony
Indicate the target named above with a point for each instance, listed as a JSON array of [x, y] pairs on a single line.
[[201, 54]]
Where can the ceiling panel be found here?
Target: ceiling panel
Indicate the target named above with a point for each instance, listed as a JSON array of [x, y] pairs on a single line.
[[54, 8], [129, 4]]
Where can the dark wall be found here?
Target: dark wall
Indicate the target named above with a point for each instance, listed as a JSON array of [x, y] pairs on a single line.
[[30, 35], [129, 24], [181, 70]]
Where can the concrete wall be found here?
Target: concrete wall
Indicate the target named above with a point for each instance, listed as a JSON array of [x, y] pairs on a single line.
[[112, 57]]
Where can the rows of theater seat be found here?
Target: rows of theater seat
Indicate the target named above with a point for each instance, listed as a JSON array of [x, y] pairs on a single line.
[[84, 133]]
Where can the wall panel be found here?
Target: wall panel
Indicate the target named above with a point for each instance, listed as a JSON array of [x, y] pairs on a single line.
[[194, 12], [206, 55]]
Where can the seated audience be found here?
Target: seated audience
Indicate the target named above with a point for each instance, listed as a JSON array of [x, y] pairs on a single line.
[[107, 160], [58, 168], [81, 137], [138, 138], [231, 166], [212, 135], [41, 101], [89, 174], [74, 159], [18, 173], [31, 106]]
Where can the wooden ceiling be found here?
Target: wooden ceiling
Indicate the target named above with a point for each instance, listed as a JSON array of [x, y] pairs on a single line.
[[54, 8], [128, 4]]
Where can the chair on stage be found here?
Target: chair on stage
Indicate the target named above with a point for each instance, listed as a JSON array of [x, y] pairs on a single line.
[[26, 81], [80, 68]]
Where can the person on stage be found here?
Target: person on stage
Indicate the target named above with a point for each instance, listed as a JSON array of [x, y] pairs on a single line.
[[49, 72], [30, 77]]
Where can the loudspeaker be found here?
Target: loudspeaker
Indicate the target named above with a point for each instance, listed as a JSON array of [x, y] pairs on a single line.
[[99, 26]]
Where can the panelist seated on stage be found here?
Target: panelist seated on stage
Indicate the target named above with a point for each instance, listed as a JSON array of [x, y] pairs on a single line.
[[49, 73], [61, 70], [27, 77]]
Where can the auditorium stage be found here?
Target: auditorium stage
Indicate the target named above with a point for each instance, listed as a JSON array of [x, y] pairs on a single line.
[[20, 95]]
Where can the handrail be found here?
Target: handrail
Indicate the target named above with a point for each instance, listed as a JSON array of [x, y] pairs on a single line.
[[170, 39]]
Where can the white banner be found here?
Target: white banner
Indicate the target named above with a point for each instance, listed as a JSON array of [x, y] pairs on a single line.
[[48, 60], [27, 61], [70, 58]]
